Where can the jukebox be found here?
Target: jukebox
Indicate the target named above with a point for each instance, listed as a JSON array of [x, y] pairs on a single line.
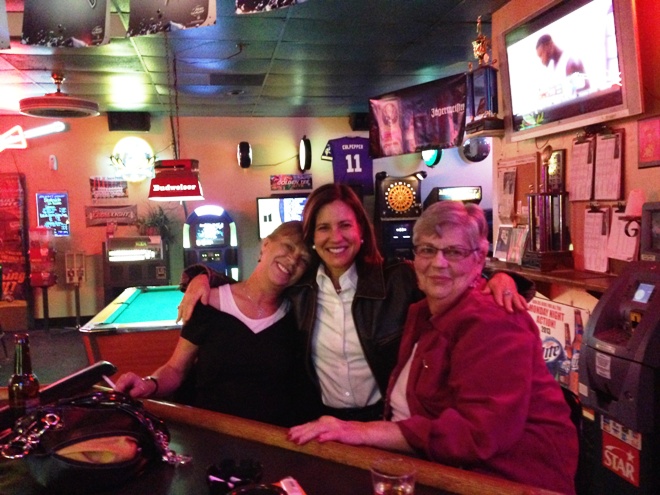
[[133, 262], [619, 386], [209, 237]]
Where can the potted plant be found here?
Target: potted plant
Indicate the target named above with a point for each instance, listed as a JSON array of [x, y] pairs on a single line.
[[156, 222]]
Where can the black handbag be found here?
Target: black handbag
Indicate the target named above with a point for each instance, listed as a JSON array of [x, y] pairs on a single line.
[[89, 443]]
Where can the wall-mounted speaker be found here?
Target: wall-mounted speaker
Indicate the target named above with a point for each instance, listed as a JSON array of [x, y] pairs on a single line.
[[359, 121], [129, 121]]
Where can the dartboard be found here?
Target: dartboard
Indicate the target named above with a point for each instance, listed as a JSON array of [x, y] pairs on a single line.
[[400, 196]]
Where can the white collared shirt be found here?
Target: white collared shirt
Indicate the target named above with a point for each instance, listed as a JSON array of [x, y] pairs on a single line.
[[344, 374]]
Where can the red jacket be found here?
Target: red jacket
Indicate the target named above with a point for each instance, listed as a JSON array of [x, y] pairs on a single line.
[[481, 396]]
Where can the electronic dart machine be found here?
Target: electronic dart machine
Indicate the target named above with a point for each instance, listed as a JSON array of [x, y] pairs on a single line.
[[619, 386], [398, 205], [209, 237]]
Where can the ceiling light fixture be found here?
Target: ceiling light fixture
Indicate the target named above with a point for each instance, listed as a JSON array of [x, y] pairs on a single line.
[[244, 154], [176, 180], [305, 154], [58, 105]]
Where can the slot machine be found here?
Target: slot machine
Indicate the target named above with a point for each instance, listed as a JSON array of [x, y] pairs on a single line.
[[209, 238], [619, 385], [398, 205]]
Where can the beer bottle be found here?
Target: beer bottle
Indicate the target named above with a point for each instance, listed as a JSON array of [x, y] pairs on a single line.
[[23, 387], [577, 343], [565, 370]]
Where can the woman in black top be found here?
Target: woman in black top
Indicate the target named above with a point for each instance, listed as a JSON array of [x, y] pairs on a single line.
[[242, 354]]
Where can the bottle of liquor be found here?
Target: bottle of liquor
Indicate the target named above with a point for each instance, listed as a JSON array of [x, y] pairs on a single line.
[[23, 387], [565, 369], [577, 344]]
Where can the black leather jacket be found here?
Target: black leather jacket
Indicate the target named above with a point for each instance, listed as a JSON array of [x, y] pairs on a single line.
[[382, 297], [379, 310]]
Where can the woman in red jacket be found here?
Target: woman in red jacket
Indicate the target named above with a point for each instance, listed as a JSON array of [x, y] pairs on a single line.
[[470, 387]]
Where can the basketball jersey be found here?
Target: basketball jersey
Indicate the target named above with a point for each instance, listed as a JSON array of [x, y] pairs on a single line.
[[351, 163]]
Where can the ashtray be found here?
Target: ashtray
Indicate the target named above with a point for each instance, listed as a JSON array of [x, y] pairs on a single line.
[[230, 474], [258, 490]]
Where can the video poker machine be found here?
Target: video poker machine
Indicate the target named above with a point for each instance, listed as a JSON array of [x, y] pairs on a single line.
[[619, 386], [209, 238], [398, 205]]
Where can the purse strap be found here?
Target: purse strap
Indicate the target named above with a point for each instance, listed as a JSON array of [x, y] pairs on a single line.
[[29, 429]]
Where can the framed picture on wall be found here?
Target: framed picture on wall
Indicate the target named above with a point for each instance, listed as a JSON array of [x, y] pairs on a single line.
[[648, 131], [503, 242], [517, 244]]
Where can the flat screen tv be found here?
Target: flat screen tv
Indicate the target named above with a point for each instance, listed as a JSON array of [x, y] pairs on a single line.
[[573, 65], [275, 210]]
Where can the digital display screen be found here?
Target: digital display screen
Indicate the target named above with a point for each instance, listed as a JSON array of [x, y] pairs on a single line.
[[53, 212], [643, 292], [210, 234], [272, 212]]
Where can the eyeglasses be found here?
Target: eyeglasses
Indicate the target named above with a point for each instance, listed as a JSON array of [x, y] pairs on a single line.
[[451, 253]]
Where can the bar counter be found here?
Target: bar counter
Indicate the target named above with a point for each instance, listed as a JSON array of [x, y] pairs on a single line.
[[321, 469]]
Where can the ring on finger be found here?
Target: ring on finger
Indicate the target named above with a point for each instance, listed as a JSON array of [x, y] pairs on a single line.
[[507, 292]]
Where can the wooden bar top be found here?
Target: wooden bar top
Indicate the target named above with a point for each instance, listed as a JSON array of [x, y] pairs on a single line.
[[431, 474]]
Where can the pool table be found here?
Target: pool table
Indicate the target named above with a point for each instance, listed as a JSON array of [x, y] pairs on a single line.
[[137, 331]]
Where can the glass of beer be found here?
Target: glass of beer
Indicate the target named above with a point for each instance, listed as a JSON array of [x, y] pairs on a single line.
[[393, 476]]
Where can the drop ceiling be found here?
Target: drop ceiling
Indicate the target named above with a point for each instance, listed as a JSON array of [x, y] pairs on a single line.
[[320, 58]]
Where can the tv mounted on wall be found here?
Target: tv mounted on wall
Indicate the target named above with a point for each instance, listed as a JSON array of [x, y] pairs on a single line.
[[275, 210], [596, 79]]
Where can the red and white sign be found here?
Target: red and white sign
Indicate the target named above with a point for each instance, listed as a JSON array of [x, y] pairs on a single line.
[[621, 458]]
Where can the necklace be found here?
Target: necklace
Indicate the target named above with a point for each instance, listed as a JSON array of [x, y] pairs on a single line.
[[261, 311]]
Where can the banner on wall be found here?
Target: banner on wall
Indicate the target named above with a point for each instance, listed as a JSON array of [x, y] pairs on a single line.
[[105, 188], [290, 182], [66, 23], [13, 255], [430, 115], [104, 215]]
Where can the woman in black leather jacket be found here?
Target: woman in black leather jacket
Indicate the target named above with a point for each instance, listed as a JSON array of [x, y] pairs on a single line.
[[350, 305]]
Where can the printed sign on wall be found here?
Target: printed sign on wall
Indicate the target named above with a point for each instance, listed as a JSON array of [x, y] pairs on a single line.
[[104, 215], [290, 182], [561, 328]]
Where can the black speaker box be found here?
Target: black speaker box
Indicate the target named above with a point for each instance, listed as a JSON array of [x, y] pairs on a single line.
[[129, 121], [359, 121]]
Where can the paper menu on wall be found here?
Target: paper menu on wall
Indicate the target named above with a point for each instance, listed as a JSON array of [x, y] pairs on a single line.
[[596, 226], [607, 177], [582, 170], [619, 245]]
